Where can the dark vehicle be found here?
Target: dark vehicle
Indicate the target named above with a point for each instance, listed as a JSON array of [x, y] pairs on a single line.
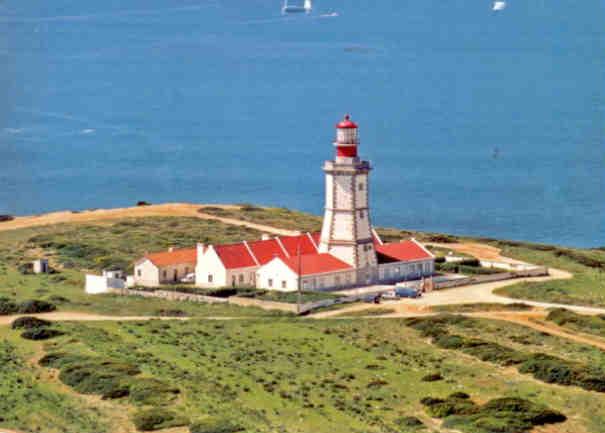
[[407, 292]]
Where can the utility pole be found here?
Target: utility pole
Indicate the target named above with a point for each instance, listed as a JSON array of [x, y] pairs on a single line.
[[299, 285]]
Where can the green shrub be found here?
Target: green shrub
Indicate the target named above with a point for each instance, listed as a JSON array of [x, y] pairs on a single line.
[[28, 322], [592, 324], [503, 415], [151, 391], [40, 333], [36, 306], [409, 422], [157, 419], [215, 425], [551, 369], [8, 307], [91, 375], [433, 377]]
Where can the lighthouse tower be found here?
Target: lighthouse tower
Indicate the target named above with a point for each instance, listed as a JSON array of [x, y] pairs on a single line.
[[347, 230]]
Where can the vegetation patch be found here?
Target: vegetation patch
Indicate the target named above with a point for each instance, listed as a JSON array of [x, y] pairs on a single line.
[[544, 367], [580, 322], [481, 306], [151, 391], [93, 375], [216, 425], [157, 419], [41, 333], [8, 306], [28, 322], [502, 415], [380, 311], [409, 423], [274, 217]]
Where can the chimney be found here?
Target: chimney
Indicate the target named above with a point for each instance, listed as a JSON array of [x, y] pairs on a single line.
[[265, 237]]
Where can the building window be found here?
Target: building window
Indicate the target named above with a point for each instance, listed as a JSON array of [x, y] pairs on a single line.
[[283, 284], [305, 285], [210, 278], [241, 278], [270, 282], [360, 186], [139, 273], [337, 280], [164, 274], [186, 270], [361, 214]]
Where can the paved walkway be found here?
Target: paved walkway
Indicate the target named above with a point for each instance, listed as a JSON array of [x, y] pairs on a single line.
[[168, 209]]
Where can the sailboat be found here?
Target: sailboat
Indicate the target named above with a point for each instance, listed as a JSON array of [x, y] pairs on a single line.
[[288, 9]]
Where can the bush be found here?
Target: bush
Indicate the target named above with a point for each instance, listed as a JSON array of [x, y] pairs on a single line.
[[35, 306], [215, 425], [157, 419], [5, 218], [8, 307], [28, 322], [409, 422], [551, 369], [142, 203], [90, 375], [40, 333], [152, 391], [503, 415], [433, 377]]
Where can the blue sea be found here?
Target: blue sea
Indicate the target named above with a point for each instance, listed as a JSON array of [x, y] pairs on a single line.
[[476, 122]]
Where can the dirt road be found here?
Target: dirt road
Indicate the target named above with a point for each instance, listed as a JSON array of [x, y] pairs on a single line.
[[74, 316], [168, 209]]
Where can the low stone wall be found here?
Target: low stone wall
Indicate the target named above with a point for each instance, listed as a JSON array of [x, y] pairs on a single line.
[[265, 305], [172, 296], [535, 271]]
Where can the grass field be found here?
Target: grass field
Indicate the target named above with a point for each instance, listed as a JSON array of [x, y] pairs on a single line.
[[284, 375], [587, 287], [74, 249]]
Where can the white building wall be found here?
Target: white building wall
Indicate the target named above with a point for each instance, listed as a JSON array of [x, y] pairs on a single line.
[[97, 284], [209, 270], [361, 193], [343, 226], [276, 275], [344, 191], [146, 274], [172, 274], [242, 277]]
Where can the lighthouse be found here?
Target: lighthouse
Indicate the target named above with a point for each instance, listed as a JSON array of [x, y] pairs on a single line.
[[347, 230]]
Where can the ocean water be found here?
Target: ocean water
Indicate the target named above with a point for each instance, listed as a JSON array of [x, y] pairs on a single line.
[[476, 122]]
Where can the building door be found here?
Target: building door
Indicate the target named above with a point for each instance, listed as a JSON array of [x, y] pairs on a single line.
[[176, 275]]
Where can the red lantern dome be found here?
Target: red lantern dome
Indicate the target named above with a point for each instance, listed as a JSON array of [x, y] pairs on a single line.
[[346, 138], [346, 123]]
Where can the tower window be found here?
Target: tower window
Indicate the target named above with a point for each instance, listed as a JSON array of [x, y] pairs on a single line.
[[360, 187], [361, 214]]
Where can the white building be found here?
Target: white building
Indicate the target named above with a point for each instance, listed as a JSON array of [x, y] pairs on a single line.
[[167, 267], [348, 252]]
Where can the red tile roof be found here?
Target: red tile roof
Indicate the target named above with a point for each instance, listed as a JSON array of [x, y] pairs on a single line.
[[266, 250], [316, 264], [175, 257], [235, 255], [401, 252], [291, 244]]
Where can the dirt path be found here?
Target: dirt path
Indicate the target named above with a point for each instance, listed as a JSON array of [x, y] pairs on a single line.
[[168, 209], [478, 250], [74, 316], [528, 319]]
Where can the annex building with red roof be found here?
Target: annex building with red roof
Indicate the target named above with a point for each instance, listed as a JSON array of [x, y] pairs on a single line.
[[346, 253]]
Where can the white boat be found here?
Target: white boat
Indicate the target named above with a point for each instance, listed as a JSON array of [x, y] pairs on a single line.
[[499, 5], [288, 9]]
